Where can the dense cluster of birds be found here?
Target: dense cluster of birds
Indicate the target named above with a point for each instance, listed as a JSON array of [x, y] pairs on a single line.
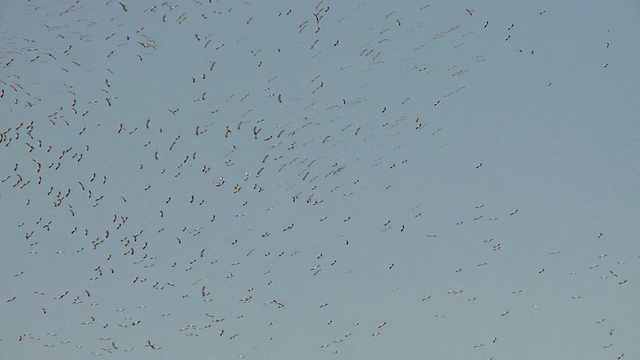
[[220, 179]]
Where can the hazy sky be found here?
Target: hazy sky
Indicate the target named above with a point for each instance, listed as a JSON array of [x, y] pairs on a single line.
[[319, 180]]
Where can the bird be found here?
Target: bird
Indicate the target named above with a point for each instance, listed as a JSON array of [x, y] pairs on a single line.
[[312, 134]]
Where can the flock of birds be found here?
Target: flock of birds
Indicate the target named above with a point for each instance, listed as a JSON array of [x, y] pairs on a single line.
[[220, 179]]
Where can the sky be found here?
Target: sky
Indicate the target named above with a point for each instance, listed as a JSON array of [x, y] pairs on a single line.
[[319, 180]]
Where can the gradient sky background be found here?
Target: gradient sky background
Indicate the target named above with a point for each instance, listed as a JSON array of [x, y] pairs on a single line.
[[444, 180]]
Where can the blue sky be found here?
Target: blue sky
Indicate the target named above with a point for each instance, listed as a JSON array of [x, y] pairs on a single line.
[[319, 180]]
